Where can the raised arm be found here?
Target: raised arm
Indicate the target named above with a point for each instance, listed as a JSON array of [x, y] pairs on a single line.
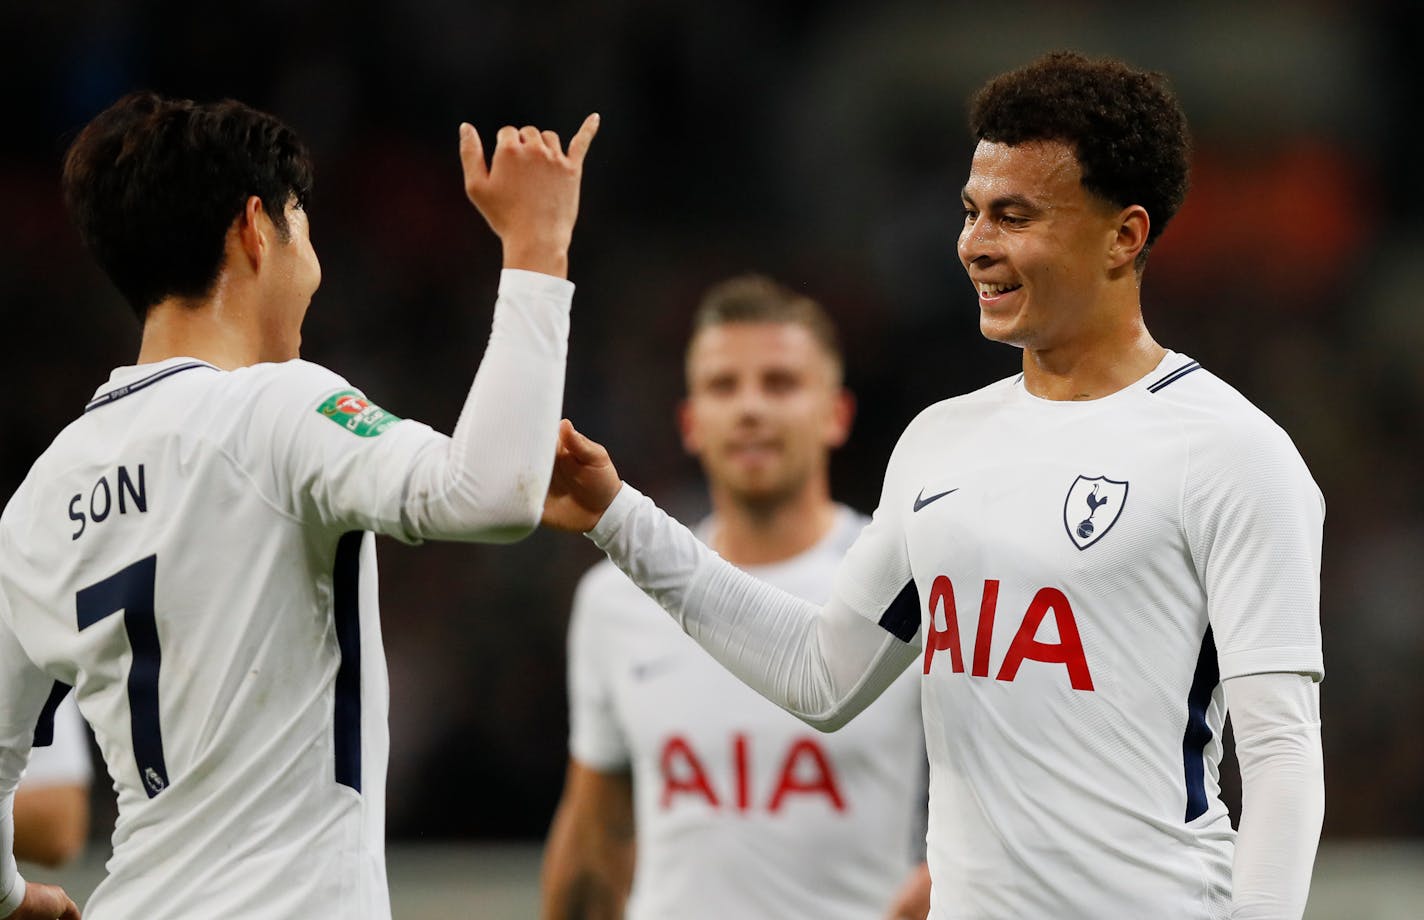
[[821, 664], [328, 454], [489, 481]]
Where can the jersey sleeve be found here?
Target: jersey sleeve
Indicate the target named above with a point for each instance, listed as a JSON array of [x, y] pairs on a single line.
[[596, 738], [331, 455], [1253, 518], [821, 664], [65, 762]]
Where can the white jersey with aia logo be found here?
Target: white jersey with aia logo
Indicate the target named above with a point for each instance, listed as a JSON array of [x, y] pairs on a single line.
[[741, 809], [194, 557], [1075, 580]]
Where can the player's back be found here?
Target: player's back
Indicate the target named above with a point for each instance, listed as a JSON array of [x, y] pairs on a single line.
[[215, 637]]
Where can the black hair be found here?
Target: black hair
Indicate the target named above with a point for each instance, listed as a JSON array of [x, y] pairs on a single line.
[[154, 184], [1127, 128]]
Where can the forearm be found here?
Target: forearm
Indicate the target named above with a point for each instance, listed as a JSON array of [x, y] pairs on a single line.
[[588, 861], [582, 879], [1277, 726], [822, 665], [488, 482]]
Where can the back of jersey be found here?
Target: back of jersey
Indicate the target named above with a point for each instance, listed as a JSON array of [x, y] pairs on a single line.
[[158, 560]]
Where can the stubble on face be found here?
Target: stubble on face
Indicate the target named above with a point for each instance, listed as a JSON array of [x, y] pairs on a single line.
[[760, 399]]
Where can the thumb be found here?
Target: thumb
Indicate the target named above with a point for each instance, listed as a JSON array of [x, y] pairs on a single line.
[[472, 157], [582, 449]]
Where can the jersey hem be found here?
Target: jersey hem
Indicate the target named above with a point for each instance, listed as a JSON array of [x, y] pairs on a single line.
[[1292, 660]]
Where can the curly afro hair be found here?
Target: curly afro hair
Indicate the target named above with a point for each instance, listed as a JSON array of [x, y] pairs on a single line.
[[1128, 129]]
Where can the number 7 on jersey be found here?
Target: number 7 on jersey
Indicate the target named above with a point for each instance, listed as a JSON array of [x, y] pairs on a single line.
[[131, 590]]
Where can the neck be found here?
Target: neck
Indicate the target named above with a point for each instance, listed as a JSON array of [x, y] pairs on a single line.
[[1102, 360], [752, 533], [225, 331]]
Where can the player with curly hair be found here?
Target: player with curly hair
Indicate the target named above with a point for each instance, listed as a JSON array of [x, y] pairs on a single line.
[[1090, 561]]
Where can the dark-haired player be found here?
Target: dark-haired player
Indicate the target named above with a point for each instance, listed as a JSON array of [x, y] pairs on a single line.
[[1091, 561], [193, 554]]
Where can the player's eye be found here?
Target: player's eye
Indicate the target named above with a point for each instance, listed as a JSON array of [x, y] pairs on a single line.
[[721, 386], [781, 383], [970, 215]]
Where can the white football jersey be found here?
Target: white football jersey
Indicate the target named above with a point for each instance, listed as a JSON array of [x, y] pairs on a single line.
[[194, 556], [1082, 576], [173, 558], [741, 809], [65, 761]]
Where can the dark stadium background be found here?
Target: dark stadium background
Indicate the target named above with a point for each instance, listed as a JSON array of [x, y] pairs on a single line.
[[823, 143]]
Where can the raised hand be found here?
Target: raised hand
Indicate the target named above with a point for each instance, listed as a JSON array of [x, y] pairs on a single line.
[[45, 902], [529, 191], [583, 484]]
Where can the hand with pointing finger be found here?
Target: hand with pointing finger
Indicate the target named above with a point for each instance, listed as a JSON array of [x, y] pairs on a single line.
[[529, 191]]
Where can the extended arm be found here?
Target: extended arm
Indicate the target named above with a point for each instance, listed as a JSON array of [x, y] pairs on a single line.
[[490, 482], [588, 861], [1276, 719], [821, 664]]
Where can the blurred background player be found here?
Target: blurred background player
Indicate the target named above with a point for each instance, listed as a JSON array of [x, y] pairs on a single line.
[[52, 803], [736, 809], [195, 554], [1097, 557]]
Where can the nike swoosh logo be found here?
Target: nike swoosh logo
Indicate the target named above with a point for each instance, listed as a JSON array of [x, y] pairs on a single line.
[[921, 501], [643, 670]]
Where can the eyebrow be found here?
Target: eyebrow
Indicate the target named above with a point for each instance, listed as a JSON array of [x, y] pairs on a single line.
[[1003, 201]]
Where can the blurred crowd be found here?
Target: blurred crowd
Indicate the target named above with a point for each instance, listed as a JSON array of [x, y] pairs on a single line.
[[820, 142]]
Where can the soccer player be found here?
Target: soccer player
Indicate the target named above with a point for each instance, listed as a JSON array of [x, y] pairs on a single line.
[[1091, 561], [194, 553], [738, 810], [52, 802]]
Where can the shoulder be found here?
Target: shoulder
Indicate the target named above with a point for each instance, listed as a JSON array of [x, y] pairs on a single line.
[[849, 524], [1216, 418], [964, 407], [295, 379], [1227, 439]]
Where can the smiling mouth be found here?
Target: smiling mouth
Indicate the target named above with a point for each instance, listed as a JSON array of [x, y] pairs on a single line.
[[990, 291]]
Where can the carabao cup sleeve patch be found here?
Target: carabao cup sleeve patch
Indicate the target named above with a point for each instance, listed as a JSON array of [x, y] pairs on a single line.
[[357, 414]]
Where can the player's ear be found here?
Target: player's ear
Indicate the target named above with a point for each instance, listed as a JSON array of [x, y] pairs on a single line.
[[1129, 237], [252, 228], [687, 427], [841, 416]]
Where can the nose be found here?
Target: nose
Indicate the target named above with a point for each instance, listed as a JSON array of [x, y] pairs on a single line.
[[976, 241]]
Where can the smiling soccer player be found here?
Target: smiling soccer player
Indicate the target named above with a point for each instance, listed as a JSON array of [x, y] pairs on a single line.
[[1091, 560]]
